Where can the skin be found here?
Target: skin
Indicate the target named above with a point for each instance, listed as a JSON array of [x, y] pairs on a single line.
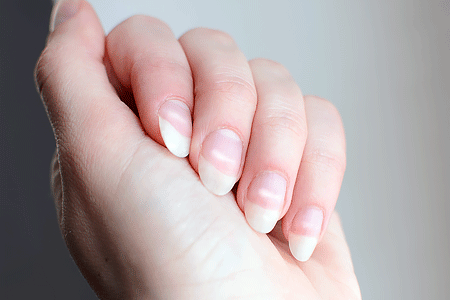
[[137, 220]]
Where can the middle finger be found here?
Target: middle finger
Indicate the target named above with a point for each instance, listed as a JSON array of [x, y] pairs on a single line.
[[276, 146], [225, 103]]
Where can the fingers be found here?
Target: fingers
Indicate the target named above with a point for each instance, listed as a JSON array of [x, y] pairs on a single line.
[[296, 151], [319, 178], [146, 57], [274, 153], [225, 102]]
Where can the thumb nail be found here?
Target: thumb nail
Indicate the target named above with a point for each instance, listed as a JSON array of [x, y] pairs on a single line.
[[62, 11]]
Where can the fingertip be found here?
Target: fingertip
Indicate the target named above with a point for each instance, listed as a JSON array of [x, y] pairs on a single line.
[[219, 161], [305, 231], [214, 180], [175, 125], [261, 219], [265, 201], [302, 247]]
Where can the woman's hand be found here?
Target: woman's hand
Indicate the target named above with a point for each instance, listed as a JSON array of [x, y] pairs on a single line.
[[138, 220]]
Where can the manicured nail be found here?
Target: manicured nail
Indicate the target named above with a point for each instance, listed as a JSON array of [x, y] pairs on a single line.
[[220, 160], [305, 232], [62, 11], [175, 124], [265, 200]]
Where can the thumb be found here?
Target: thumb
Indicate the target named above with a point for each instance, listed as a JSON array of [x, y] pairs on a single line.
[[96, 135], [90, 122]]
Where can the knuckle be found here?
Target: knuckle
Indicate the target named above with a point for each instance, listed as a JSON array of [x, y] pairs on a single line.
[[328, 115], [145, 63], [220, 37], [236, 86], [275, 68], [230, 85], [324, 105], [326, 160], [217, 37], [284, 120], [143, 21], [277, 81], [136, 28], [135, 20]]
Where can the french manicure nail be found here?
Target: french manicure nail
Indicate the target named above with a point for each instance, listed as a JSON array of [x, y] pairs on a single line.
[[175, 124], [63, 10], [305, 231], [265, 200], [220, 160]]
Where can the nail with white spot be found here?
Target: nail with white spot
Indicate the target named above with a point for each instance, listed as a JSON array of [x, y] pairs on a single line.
[[220, 161], [305, 232], [175, 125]]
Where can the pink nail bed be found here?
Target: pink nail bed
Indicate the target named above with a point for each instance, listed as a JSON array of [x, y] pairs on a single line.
[[268, 191], [308, 222], [178, 115], [223, 149]]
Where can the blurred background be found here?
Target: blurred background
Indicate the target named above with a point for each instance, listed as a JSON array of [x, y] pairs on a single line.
[[384, 64]]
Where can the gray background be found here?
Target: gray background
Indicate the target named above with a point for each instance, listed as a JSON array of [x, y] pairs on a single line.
[[384, 64]]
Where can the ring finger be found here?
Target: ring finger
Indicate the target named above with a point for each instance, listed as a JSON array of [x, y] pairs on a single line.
[[276, 145], [225, 103]]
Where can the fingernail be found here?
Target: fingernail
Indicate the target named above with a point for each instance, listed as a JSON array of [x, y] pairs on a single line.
[[62, 11], [265, 200], [220, 160], [175, 124], [305, 232]]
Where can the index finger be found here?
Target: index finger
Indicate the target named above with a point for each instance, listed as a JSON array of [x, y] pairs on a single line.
[[147, 57]]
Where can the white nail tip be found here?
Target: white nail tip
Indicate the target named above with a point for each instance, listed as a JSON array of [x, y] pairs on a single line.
[[261, 219], [214, 180], [302, 247], [177, 143]]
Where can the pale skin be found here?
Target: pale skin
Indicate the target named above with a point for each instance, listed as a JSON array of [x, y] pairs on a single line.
[[138, 218]]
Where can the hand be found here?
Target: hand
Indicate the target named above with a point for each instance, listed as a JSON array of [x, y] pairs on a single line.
[[137, 220]]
